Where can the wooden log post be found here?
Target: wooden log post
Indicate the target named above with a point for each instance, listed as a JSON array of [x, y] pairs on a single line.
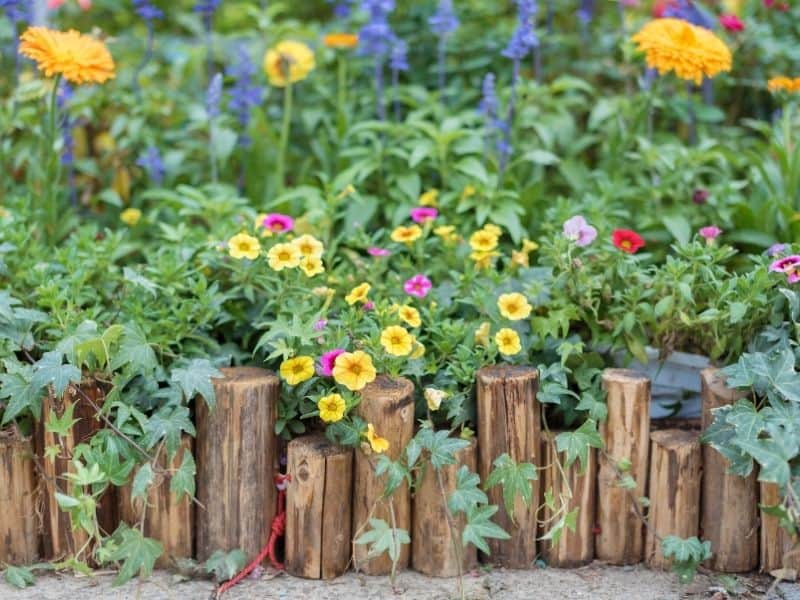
[[574, 548], [434, 551], [167, 519], [19, 524], [675, 479], [318, 510], [237, 459], [509, 422], [55, 461], [729, 509], [388, 404], [779, 549], [626, 436]]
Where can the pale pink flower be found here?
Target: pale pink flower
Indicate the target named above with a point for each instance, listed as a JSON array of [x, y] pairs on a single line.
[[320, 325], [423, 214], [579, 231], [327, 361], [710, 233], [368, 305], [375, 251], [418, 286]]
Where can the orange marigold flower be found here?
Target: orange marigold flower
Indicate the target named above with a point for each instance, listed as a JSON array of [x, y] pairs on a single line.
[[78, 58], [783, 84], [691, 51], [340, 40]]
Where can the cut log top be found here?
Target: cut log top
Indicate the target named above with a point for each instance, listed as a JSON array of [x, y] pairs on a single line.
[[397, 391], [496, 373], [625, 376], [715, 383], [317, 444], [245, 375], [675, 438]]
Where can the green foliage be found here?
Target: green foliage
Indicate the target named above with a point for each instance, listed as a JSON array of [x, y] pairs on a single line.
[[576, 444], [515, 479], [686, 555], [382, 538], [225, 565], [479, 527], [136, 553]]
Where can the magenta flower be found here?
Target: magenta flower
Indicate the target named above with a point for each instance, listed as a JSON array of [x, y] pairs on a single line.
[[579, 231], [374, 251], [423, 214], [327, 360], [320, 325], [710, 233], [790, 265], [368, 305], [418, 286], [731, 22], [278, 223]]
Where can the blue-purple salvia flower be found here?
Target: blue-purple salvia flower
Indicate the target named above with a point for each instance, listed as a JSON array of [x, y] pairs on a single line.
[[688, 11], [245, 93], [63, 97], [398, 61], [214, 96], [376, 39], [206, 9], [585, 12], [146, 10], [15, 11], [443, 23], [342, 8], [497, 130], [151, 162], [524, 38]]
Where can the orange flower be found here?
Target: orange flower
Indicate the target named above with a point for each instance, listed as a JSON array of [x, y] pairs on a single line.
[[784, 84], [340, 41], [79, 58]]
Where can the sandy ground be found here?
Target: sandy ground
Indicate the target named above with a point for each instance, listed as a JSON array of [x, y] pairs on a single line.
[[594, 582]]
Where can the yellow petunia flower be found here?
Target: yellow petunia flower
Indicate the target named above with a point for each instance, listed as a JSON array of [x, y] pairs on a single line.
[[78, 58], [358, 294], [419, 349], [508, 342], [244, 246], [482, 334], [311, 265], [406, 235], [308, 245], [483, 241], [331, 408], [483, 260], [288, 62], [130, 216], [529, 246], [397, 341], [377, 443], [429, 198], [493, 229], [520, 257], [283, 256], [354, 370], [447, 233], [514, 306], [468, 192], [323, 291], [297, 370], [434, 397], [408, 314]]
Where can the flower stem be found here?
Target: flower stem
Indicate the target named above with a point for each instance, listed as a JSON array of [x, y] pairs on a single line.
[[50, 159], [341, 102], [284, 141]]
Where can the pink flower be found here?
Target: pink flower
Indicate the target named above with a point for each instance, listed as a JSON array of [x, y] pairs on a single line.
[[710, 233], [368, 305], [418, 286], [374, 251], [579, 231], [423, 214], [320, 325], [278, 223], [790, 265], [84, 4], [731, 22], [327, 360]]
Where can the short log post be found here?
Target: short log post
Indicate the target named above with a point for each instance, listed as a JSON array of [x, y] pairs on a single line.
[[574, 548], [674, 491], [433, 544], [237, 459], [59, 539], [19, 525], [167, 519], [626, 436], [729, 509], [318, 511], [388, 404], [779, 549], [509, 422]]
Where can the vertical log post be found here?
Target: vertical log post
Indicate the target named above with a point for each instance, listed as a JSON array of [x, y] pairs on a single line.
[[318, 510], [575, 548], [388, 404], [509, 422], [167, 519], [237, 459], [729, 510], [433, 544], [19, 535], [776, 542], [626, 435], [674, 492]]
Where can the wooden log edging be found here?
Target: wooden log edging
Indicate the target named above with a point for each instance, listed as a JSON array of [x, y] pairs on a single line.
[[19, 523], [779, 550]]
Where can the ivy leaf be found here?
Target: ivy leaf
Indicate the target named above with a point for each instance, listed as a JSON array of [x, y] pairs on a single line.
[[466, 494], [395, 473], [50, 370], [383, 538], [183, 480], [766, 372], [196, 378], [515, 479], [168, 424], [598, 411], [225, 565], [686, 554], [772, 456], [441, 447], [134, 352], [142, 481], [23, 394], [479, 527], [346, 432], [137, 553], [19, 577], [576, 443]]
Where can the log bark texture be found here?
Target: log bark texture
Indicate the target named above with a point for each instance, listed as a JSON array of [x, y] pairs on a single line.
[[19, 524], [626, 436], [676, 468], [779, 550], [509, 422], [237, 459], [729, 510], [433, 545], [575, 548], [318, 508], [388, 404]]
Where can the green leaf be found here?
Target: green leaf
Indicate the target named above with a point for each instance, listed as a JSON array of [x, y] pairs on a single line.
[[395, 472], [50, 370], [515, 479], [129, 274], [137, 553], [225, 565], [679, 227], [466, 494], [142, 481], [22, 394], [134, 352], [686, 555], [19, 577], [479, 527], [196, 378], [183, 480], [383, 538], [441, 447], [576, 444]]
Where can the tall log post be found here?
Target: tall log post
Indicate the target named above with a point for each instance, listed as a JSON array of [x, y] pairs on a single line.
[[509, 422], [574, 548], [626, 436], [167, 519], [318, 508], [433, 544], [237, 459], [729, 509], [779, 549], [19, 525], [674, 493], [388, 404]]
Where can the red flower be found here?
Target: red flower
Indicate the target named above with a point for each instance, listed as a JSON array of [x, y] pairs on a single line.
[[659, 6], [731, 22], [627, 240]]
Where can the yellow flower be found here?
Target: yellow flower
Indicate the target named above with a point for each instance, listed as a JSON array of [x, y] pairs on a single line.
[[508, 342], [468, 192], [358, 294], [675, 45], [331, 408], [311, 265], [493, 229], [130, 216], [483, 240], [447, 233], [354, 370], [297, 370], [783, 84], [482, 334], [323, 291], [308, 245], [397, 341], [419, 349], [348, 190], [483, 260], [283, 256], [406, 235], [377, 443], [78, 58], [529, 246], [520, 257], [408, 314], [434, 397], [429, 198], [514, 306], [288, 62], [340, 40]]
